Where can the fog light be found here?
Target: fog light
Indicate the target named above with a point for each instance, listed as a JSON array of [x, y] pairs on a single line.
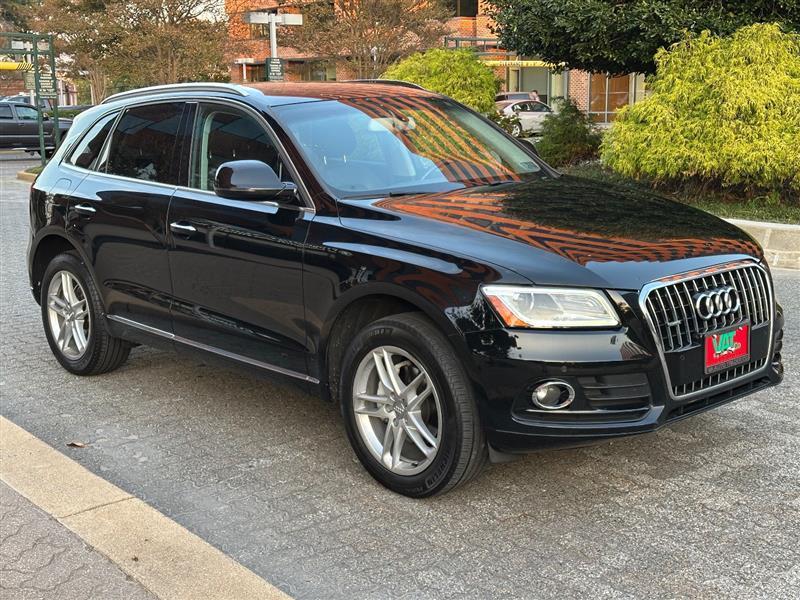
[[553, 395]]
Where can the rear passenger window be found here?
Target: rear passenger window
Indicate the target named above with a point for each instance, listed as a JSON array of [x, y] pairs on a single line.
[[88, 149], [143, 143], [5, 112]]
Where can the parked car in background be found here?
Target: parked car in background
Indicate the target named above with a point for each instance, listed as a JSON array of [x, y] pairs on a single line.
[[46, 104], [530, 113], [19, 127], [404, 256], [506, 96]]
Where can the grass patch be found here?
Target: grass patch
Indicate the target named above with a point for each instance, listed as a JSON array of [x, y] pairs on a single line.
[[761, 208], [34, 170]]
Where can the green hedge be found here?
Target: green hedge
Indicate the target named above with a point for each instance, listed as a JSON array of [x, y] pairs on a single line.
[[723, 113], [459, 74]]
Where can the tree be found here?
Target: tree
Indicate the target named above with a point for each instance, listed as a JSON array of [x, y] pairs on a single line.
[[723, 112], [622, 36], [12, 15], [455, 73], [136, 42], [365, 36]]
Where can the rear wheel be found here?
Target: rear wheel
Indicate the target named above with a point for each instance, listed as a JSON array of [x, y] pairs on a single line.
[[73, 317], [409, 408]]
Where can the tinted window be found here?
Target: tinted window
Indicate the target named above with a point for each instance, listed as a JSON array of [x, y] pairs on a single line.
[[26, 113], [405, 144], [89, 148], [223, 134], [143, 143], [5, 112]]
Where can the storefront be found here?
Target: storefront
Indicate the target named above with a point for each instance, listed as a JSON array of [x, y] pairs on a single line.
[[524, 75]]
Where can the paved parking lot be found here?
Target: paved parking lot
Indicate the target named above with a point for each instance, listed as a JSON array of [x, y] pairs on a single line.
[[707, 508]]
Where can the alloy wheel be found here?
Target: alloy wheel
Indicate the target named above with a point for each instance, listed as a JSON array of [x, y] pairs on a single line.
[[397, 409], [68, 315]]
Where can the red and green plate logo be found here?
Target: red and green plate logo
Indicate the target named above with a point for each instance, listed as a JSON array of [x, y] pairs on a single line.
[[727, 348]]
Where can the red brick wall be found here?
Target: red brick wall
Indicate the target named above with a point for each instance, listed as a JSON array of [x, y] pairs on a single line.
[[11, 84], [579, 88]]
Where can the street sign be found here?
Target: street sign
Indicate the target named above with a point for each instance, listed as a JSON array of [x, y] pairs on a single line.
[[274, 69], [30, 80], [47, 86]]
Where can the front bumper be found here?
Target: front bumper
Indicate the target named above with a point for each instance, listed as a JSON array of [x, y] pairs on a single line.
[[617, 376]]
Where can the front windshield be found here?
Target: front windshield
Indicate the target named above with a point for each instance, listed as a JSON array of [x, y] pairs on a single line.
[[382, 146]]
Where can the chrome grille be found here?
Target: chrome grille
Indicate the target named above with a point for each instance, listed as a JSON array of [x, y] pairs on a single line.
[[671, 306], [675, 321]]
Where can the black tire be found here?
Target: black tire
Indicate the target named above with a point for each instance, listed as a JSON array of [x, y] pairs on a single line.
[[463, 450], [516, 130], [103, 352]]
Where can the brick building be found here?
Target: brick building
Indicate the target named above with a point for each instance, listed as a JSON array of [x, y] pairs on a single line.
[[599, 95]]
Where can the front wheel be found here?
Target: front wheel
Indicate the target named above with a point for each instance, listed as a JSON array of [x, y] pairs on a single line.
[[409, 408]]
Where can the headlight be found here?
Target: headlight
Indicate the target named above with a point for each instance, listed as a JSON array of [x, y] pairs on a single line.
[[548, 308]]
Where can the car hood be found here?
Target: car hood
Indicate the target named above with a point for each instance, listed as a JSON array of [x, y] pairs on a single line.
[[560, 231]]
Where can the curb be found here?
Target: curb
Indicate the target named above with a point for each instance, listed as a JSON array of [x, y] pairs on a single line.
[[165, 558], [780, 241], [25, 176]]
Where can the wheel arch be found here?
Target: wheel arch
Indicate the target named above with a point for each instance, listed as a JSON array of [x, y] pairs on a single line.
[[363, 305], [45, 248]]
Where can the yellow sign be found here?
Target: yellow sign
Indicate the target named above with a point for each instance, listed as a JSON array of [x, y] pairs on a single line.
[[15, 66]]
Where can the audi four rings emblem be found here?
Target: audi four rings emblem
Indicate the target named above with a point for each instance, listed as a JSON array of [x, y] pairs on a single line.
[[717, 302]]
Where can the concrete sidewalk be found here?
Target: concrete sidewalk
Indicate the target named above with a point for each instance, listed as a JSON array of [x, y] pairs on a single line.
[[780, 241], [41, 559]]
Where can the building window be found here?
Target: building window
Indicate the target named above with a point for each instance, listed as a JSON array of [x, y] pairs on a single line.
[[256, 72], [463, 8], [607, 95]]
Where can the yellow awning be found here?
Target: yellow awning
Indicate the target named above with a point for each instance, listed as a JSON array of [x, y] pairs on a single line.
[[15, 66], [517, 63]]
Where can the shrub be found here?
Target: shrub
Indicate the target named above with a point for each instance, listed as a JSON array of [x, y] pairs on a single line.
[[724, 112], [507, 122], [456, 73], [568, 136]]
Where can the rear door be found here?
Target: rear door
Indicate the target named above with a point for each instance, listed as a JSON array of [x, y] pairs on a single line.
[[118, 213], [237, 265]]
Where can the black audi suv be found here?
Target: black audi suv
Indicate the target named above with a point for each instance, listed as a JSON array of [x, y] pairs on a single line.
[[459, 299]]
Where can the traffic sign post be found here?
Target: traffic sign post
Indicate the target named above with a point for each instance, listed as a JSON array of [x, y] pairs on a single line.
[[43, 83], [274, 65]]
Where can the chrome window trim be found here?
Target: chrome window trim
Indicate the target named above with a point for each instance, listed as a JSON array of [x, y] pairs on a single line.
[[309, 207], [212, 349], [671, 280]]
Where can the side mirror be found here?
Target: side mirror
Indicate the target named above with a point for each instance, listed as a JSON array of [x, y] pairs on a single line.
[[530, 145], [250, 180], [45, 117]]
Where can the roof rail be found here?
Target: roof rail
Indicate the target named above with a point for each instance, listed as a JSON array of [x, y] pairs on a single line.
[[387, 82], [177, 87]]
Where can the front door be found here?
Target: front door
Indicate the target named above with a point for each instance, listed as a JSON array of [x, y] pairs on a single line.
[[118, 212], [28, 127], [237, 265]]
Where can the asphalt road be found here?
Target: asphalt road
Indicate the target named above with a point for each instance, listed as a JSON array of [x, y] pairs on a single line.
[[708, 508]]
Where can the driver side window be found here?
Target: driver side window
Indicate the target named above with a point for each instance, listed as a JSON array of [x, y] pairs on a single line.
[[223, 134]]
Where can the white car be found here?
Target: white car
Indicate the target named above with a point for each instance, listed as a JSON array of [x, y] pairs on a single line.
[[531, 114]]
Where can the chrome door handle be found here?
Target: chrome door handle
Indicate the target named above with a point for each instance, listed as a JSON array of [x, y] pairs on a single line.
[[85, 209], [179, 227]]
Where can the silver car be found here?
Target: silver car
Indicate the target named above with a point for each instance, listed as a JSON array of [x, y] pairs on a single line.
[[531, 114]]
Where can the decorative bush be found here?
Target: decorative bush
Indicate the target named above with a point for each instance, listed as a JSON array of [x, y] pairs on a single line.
[[507, 122], [723, 112], [455, 73], [568, 136]]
